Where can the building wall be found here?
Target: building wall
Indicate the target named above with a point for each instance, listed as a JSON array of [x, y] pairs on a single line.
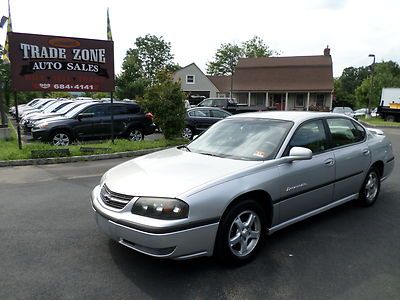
[[201, 82]]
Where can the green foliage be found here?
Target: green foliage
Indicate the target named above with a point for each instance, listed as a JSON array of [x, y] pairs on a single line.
[[9, 149], [166, 101], [346, 85], [225, 60], [141, 66], [59, 95], [97, 95], [385, 75], [227, 55], [255, 47]]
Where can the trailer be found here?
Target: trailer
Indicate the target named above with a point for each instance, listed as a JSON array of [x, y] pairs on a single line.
[[389, 108]]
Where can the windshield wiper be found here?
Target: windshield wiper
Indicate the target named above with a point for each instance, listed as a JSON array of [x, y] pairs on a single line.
[[211, 154], [184, 147]]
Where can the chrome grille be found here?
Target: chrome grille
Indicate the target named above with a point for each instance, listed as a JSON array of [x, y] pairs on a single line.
[[113, 199]]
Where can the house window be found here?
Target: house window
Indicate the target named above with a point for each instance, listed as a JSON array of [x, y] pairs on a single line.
[[320, 99], [190, 79], [299, 100]]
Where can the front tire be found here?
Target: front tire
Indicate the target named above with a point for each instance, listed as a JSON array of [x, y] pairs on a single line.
[[60, 138], [240, 233], [370, 188]]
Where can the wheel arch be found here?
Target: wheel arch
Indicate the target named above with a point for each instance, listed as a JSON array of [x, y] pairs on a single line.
[[379, 165], [64, 129], [261, 197]]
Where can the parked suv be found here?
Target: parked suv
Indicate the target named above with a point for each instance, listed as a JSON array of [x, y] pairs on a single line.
[[93, 121]]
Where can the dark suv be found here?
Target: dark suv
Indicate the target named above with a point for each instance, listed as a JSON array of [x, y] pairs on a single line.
[[93, 121]]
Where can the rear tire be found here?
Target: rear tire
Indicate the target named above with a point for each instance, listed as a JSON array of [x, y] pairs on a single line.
[[135, 135], [390, 118], [187, 133], [240, 233], [60, 138], [370, 188]]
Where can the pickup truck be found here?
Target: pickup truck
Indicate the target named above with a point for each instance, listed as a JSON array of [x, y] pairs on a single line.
[[231, 105]]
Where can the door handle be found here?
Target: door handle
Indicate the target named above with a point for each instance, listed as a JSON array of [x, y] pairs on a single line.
[[329, 162], [366, 151]]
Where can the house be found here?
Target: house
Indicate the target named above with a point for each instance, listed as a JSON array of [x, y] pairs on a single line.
[[193, 82], [284, 83]]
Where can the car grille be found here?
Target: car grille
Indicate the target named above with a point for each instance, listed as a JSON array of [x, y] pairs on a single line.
[[113, 199]]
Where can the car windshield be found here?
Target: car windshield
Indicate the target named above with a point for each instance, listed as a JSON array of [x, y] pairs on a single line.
[[52, 106], [69, 107], [73, 112], [242, 138], [338, 110]]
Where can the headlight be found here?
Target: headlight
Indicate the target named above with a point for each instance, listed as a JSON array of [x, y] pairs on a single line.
[[42, 125], [161, 208]]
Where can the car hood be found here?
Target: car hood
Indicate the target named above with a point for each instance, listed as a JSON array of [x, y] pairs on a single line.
[[53, 119], [170, 173], [45, 116]]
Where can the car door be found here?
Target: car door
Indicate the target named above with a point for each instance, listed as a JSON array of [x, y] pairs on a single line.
[[95, 125], [352, 156], [307, 184], [202, 119]]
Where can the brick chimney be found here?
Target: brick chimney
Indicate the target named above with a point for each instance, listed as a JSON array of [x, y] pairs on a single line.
[[327, 51]]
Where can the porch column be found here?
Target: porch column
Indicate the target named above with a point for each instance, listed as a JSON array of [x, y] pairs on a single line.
[[266, 99], [249, 99], [286, 101], [330, 104], [308, 100]]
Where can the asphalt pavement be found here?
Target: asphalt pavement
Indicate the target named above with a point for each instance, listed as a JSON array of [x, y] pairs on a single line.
[[51, 248]]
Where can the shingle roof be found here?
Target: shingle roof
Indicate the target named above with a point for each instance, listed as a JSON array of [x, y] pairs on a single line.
[[296, 73]]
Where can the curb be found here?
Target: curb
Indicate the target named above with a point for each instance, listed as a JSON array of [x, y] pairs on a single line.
[[58, 160], [376, 126]]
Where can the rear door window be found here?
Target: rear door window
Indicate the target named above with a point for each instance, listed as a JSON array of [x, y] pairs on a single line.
[[345, 132]]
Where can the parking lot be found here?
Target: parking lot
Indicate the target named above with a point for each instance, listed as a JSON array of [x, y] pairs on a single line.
[[51, 248]]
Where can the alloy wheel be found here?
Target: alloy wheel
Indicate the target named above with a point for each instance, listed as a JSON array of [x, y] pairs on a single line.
[[244, 233], [136, 135], [371, 186], [187, 133], [61, 139]]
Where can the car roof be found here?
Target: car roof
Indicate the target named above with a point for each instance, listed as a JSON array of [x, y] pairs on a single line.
[[295, 116]]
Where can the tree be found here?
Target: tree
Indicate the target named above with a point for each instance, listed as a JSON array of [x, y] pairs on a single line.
[[386, 74], [142, 64], [59, 95], [225, 60], [227, 55], [255, 47], [346, 85], [166, 101]]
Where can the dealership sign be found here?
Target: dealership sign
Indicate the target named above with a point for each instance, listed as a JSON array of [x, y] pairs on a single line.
[[53, 63]]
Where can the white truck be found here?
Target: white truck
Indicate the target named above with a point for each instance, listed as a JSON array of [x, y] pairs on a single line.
[[389, 107]]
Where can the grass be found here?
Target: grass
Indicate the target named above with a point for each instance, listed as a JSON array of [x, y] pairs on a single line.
[[9, 148], [378, 122]]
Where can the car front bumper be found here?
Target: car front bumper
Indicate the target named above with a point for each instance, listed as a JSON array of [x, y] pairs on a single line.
[[40, 134], [178, 244]]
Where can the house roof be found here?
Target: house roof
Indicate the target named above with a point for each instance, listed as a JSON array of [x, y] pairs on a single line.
[[296, 73], [222, 83]]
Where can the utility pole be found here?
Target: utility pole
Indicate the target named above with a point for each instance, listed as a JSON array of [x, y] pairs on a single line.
[[368, 115]]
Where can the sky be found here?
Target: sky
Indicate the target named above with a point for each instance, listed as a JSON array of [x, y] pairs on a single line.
[[353, 29]]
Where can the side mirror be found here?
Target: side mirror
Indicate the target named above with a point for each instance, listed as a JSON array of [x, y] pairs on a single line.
[[299, 153], [85, 115]]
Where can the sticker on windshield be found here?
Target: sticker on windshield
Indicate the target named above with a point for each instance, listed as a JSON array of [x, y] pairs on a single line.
[[260, 154]]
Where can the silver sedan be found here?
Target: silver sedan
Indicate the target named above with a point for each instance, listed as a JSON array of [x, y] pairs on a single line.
[[248, 175]]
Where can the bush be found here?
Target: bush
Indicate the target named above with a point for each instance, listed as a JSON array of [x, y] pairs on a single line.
[[166, 101]]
